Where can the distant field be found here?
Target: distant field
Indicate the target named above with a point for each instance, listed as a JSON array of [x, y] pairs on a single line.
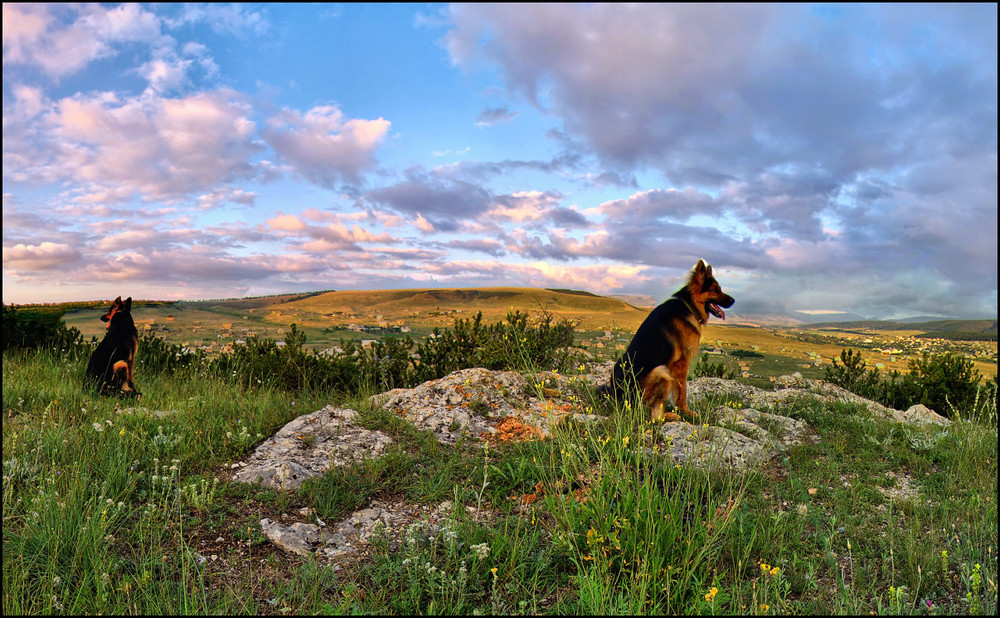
[[326, 316]]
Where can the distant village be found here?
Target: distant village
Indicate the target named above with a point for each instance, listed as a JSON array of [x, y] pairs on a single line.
[[902, 347]]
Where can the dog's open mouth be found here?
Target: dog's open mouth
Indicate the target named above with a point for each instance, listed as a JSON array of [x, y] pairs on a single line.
[[715, 310]]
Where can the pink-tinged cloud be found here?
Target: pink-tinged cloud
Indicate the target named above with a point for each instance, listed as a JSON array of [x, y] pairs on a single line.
[[131, 239], [323, 145], [678, 205], [523, 206], [220, 196], [62, 39], [286, 223], [112, 149], [423, 224], [44, 256], [322, 239]]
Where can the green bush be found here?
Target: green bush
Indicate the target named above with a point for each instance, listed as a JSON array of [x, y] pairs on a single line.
[[512, 344], [155, 355], [746, 354], [854, 375], [392, 362], [707, 369], [37, 327], [945, 383]]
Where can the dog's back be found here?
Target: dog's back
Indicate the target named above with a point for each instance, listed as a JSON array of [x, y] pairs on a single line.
[[653, 344], [111, 366]]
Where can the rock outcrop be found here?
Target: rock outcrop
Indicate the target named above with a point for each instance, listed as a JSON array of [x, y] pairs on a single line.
[[309, 446], [479, 405]]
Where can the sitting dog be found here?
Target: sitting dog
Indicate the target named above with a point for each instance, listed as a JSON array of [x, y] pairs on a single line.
[[111, 366], [661, 352]]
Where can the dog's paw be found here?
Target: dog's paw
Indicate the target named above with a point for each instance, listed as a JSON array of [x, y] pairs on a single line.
[[692, 416]]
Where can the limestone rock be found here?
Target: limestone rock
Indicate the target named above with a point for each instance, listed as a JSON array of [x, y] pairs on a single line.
[[792, 388], [711, 446], [309, 446], [920, 415], [349, 536], [479, 403]]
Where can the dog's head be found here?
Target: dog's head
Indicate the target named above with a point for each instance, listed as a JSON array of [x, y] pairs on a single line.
[[707, 293], [117, 307]]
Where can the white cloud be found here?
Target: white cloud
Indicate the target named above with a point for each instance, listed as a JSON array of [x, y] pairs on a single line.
[[323, 145], [62, 39], [113, 148], [44, 256]]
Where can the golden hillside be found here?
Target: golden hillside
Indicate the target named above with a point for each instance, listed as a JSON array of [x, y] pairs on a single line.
[[442, 306]]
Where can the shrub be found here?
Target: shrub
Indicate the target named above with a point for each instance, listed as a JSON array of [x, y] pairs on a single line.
[[515, 343], [512, 344], [157, 356], [37, 327], [854, 376], [945, 383], [262, 363], [707, 369]]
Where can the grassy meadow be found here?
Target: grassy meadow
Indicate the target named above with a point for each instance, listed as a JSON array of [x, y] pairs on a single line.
[[108, 509]]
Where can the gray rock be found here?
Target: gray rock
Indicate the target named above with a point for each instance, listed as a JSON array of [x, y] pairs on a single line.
[[743, 439], [789, 389], [712, 447], [478, 403], [348, 537], [309, 446], [920, 415]]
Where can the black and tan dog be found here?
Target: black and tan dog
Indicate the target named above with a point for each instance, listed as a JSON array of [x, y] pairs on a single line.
[[661, 352], [111, 366]]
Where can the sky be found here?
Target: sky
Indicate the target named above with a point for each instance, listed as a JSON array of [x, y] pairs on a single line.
[[826, 159]]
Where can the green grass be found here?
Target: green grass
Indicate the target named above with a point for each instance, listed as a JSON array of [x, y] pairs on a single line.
[[104, 512]]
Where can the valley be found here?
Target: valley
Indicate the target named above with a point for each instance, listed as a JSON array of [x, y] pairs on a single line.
[[604, 327]]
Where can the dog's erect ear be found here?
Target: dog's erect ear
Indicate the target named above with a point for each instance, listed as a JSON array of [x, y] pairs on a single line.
[[708, 270], [698, 274], [118, 301], [128, 303]]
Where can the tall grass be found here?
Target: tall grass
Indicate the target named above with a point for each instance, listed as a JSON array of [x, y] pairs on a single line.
[[114, 511]]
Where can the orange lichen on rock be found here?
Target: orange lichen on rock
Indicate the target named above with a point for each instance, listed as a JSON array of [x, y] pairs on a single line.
[[511, 428]]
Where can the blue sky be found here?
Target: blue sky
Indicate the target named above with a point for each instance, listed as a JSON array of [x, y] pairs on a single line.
[[823, 158]]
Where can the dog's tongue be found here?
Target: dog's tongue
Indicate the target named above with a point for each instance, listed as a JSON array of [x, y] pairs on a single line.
[[719, 312]]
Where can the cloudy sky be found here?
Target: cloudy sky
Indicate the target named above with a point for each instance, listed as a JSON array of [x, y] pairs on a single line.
[[820, 157]]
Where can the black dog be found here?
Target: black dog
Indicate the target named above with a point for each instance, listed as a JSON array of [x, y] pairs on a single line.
[[111, 366]]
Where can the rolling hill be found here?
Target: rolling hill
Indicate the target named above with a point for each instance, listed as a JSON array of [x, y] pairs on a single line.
[[439, 307], [946, 329]]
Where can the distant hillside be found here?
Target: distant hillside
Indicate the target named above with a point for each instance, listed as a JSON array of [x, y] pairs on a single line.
[[441, 306], [252, 302], [948, 329]]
